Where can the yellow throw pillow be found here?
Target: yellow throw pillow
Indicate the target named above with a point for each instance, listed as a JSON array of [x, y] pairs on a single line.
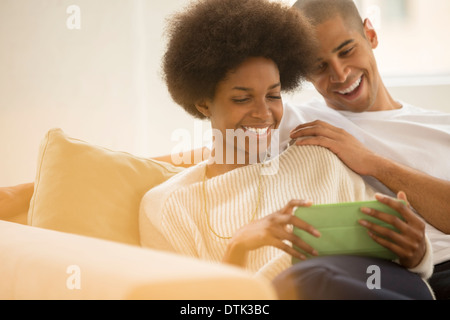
[[89, 190]]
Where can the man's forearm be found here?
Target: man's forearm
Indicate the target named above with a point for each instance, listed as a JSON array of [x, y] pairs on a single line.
[[428, 195], [15, 202], [189, 158]]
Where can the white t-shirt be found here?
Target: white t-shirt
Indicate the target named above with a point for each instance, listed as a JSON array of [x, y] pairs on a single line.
[[411, 136]]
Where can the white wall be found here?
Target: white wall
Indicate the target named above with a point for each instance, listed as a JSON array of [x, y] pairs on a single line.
[[100, 83]]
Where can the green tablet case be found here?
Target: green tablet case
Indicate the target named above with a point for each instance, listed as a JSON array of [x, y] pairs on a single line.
[[340, 231]]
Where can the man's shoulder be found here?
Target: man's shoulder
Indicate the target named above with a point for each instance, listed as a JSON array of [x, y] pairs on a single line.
[[314, 103], [409, 108], [308, 110], [312, 110]]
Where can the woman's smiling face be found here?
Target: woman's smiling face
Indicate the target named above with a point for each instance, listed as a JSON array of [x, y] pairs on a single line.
[[247, 102]]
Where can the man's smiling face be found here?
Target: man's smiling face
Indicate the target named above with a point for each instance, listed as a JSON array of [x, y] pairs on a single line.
[[346, 74]]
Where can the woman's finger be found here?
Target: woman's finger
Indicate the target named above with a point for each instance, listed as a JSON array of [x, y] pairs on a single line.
[[289, 208], [295, 240]]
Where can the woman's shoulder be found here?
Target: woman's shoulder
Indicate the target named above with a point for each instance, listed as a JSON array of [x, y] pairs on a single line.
[[315, 163], [182, 179], [308, 156], [154, 199]]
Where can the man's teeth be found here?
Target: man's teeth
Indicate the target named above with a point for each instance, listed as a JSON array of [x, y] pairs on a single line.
[[351, 88], [258, 131]]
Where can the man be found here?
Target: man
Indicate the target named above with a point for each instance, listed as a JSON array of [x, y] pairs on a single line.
[[395, 145], [347, 77]]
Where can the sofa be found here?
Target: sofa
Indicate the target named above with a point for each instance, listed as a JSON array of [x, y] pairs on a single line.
[[81, 237]]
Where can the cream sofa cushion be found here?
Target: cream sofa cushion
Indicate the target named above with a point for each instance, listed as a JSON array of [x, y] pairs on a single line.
[[39, 264], [89, 190]]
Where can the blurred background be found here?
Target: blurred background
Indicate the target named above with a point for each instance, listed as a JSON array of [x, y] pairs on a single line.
[[92, 68]]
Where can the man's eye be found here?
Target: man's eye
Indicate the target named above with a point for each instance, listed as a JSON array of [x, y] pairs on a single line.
[[346, 52]]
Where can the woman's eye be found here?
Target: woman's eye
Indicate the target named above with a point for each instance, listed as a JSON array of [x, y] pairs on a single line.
[[243, 100], [274, 97], [319, 68]]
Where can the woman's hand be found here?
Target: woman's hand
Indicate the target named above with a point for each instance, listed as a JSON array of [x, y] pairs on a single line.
[[272, 230], [409, 243]]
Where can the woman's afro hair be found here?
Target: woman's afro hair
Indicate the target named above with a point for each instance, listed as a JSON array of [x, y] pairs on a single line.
[[210, 38]]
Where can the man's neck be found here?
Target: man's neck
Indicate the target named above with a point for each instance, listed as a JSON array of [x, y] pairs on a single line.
[[384, 101]]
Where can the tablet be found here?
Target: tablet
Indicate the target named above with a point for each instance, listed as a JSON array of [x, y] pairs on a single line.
[[341, 233]]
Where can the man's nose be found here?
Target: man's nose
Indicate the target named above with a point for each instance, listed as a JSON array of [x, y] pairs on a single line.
[[339, 72]]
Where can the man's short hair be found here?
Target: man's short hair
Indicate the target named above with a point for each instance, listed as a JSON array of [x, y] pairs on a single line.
[[319, 11]]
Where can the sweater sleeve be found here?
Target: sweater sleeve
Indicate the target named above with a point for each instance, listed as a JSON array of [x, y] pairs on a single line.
[[425, 267], [167, 226], [150, 213], [163, 222]]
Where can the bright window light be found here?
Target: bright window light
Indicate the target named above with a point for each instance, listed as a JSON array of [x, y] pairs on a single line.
[[412, 36]]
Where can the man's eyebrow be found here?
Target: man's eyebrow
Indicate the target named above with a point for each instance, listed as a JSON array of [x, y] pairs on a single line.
[[250, 89], [343, 44]]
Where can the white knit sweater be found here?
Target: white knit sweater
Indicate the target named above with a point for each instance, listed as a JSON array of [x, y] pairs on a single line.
[[172, 215]]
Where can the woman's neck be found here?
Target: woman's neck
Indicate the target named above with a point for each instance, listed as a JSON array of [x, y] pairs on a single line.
[[215, 169]]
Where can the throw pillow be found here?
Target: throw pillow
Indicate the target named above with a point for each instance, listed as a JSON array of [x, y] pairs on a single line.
[[90, 190]]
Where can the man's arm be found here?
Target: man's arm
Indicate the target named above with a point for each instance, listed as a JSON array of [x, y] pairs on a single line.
[[427, 194], [189, 158], [15, 201]]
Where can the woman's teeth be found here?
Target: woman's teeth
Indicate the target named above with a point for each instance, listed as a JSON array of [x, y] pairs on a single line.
[[352, 87], [258, 131]]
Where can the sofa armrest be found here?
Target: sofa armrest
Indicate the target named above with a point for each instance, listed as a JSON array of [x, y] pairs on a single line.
[[45, 264]]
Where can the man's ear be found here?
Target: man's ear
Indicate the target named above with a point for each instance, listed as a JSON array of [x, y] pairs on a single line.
[[370, 33], [203, 108]]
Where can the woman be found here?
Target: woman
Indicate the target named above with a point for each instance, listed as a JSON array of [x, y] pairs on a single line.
[[228, 61]]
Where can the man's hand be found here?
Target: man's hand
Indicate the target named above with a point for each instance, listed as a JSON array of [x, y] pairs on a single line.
[[409, 243], [428, 195], [349, 149]]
